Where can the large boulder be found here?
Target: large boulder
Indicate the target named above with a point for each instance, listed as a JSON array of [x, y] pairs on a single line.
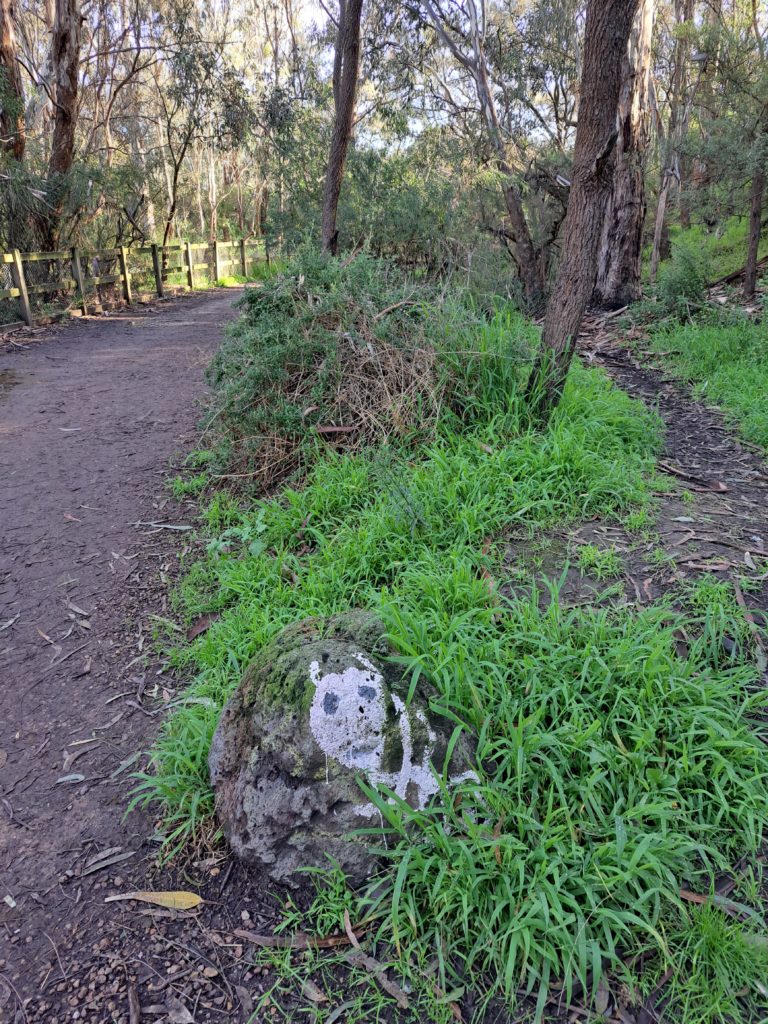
[[318, 708]]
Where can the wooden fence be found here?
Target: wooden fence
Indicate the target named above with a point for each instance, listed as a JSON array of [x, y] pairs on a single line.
[[82, 276]]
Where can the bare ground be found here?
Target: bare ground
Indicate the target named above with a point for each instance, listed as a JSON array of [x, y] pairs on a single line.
[[91, 415], [88, 423]]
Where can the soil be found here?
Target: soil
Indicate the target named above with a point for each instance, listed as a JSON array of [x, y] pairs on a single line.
[[92, 420], [92, 417]]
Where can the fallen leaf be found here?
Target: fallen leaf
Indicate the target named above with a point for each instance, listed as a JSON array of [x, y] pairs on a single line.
[[105, 860], [177, 1011], [602, 998], [298, 941], [749, 560], [179, 900], [311, 991], [3, 758], [68, 779], [200, 625]]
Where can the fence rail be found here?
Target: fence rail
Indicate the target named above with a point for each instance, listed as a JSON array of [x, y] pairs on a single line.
[[81, 275]]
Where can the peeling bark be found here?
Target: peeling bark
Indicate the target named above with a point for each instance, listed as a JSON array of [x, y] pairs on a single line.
[[606, 37], [619, 257]]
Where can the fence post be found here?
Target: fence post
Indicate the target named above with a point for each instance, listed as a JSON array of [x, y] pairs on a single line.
[[20, 282], [158, 271], [216, 268], [77, 273], [124, 274], [243, 262], [190, 266]]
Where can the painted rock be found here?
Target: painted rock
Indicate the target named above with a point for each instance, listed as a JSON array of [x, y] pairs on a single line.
[[317, 709]]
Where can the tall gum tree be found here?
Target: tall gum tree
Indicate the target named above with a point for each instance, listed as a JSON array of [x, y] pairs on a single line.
[[12, 123], [619, 256], [606, 37], [65, 61], [346, 69]]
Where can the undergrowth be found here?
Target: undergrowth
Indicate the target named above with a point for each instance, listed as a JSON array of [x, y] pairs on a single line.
[[728, 366], [349, 353], [615, 764]]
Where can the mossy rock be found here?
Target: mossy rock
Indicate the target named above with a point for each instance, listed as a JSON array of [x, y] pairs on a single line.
[[319, 707]]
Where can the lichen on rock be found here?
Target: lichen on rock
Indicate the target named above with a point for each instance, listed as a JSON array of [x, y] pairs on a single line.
[[317, 709]]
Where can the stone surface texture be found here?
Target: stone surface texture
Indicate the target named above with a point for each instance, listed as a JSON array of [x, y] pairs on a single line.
[[316, 709]]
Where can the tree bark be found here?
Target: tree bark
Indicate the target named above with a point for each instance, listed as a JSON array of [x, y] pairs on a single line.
[[755, 223], [65, 59], [619, 257], [678, 126], [346, 66], [606, 37], [12, 123]]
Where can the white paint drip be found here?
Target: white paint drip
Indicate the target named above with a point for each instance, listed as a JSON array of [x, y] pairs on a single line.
[[347, 718]]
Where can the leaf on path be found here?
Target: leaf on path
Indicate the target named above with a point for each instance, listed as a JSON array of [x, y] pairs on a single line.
[[357, 958], [69, 779], [200, 625], [749, 560], [106, 859], [298, 941], [313, 992], [179, 900], [177, 1011]]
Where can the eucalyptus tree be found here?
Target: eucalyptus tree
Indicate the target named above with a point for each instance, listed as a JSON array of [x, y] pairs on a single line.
[[606, 38], [619, 268], [346, 66]]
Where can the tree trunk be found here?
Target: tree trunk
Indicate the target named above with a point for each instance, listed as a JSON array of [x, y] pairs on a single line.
[[345, 71], [606, 37], [12, 124], [678, 126], [755, 221], [65, 54], [619, 258]]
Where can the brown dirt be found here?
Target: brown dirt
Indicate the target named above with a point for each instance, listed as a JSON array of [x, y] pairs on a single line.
[[90, 416]]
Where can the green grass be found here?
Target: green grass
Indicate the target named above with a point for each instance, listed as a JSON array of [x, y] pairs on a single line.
[[602, 563], [728, 366], [615, 765], [368, 520], [723, 251], [720, 968]]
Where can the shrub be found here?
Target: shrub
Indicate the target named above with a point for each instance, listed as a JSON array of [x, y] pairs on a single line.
[[350, 353], [683, 278]]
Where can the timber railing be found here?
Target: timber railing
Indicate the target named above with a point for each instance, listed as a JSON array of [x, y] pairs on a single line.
[[93, 279]]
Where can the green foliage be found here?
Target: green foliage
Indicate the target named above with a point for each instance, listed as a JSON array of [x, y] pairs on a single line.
[[728, 365], [683, 278], [362, 525], [356, 348], [611, 772], [719, 968], [181, 487], [602, 563]]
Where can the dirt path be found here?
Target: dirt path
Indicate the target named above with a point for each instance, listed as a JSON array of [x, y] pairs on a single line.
[[715, 522], [89, 418]]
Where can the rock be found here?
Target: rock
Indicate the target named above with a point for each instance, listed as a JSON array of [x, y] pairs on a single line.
[[316, 709]]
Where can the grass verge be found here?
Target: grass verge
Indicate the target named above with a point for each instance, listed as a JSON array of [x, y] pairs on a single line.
[[615, 766], [727, 365]]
